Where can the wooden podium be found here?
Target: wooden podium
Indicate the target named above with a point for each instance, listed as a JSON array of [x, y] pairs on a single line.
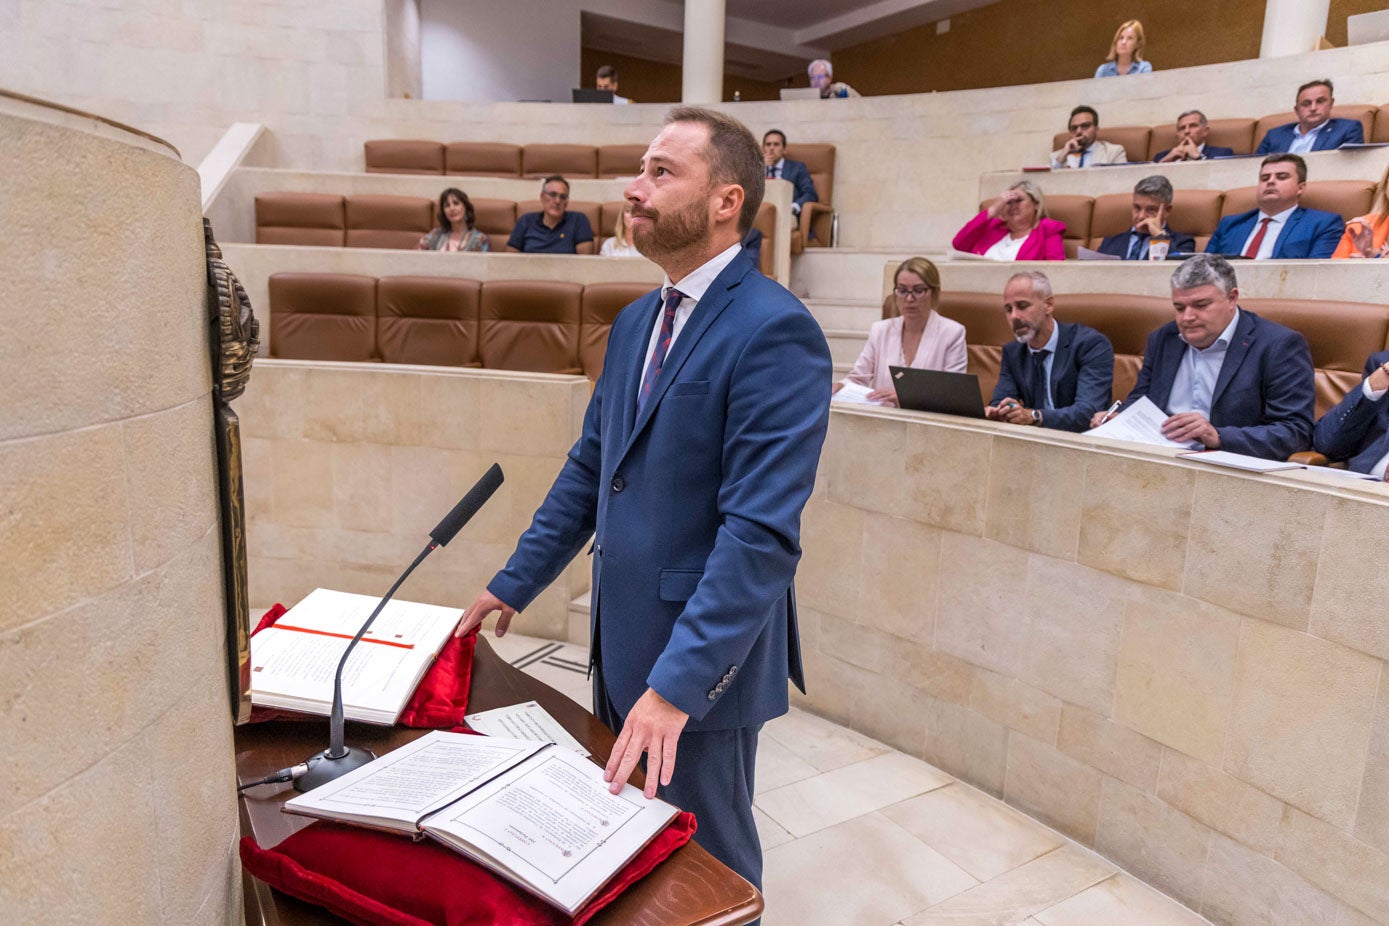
[[689, 888]]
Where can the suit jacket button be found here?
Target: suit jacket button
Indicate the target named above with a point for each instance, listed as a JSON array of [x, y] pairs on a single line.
[[713, 695], [618, 484]]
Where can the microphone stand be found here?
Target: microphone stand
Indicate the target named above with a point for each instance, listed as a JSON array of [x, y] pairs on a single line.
[[339, 758]]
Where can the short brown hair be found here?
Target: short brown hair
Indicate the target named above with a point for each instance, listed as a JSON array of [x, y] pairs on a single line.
[[733, 156], [1324, 82], [1292, 159]]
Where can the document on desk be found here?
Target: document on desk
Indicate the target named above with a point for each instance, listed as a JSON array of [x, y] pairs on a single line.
[[1141, 422], [528, 721], [536, 814], [854, 394], [1239, 461]]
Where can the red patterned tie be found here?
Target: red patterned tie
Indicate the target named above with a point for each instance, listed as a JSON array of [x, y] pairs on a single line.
[[658, 359], [1253, 249]]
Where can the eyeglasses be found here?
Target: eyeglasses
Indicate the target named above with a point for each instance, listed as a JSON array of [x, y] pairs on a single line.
[[1081, 126], [551, 194], [916, 292]]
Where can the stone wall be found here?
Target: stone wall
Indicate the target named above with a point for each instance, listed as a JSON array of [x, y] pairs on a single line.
[[350, 465], [1180, 666], [119, 803]]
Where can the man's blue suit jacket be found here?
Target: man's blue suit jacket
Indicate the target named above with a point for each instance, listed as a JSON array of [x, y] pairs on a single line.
[[1265, 395], [1082, 377], [694, 503], [798, 175], [1308, 233], [1338, 132], [1208, 152], [1118, 245], [1357, 429]]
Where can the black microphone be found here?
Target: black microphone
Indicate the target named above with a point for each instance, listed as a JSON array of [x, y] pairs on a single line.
[[338, 759]]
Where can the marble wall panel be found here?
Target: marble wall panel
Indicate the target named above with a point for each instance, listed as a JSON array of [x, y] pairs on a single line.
[[1352, 585], [1163, 846], [1051, 786], [1135, 520]]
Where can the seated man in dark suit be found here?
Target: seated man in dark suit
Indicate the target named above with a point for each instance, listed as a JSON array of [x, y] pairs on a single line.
[[1314, 129], [1152, 201], [1357, 429], [1192, 130], [554, 229], [779, 167], [1279, 228], [1226, 378], [1054, 374]]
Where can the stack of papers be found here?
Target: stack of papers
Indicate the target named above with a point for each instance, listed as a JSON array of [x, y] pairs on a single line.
[[1141, 423]]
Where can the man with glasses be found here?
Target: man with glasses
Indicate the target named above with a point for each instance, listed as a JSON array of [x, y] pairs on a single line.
[[554, 229], [1054, 374], [1082, 149]]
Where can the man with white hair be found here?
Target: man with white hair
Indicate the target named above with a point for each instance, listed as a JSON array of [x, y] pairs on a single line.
[[821, 74]]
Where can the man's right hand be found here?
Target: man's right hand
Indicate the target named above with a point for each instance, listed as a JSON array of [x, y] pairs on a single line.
[[1073, 146], [485, 604]]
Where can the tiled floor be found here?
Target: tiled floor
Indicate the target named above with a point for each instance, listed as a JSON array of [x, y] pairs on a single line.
[[901, 841]]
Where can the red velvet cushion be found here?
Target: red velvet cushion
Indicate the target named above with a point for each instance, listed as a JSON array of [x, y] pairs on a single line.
[[373, 878], [440, 701]]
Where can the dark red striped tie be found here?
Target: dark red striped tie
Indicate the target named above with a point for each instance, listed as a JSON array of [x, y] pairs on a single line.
[[658, 359]]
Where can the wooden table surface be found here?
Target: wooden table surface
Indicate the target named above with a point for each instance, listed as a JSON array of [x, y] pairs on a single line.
[[688, 888]]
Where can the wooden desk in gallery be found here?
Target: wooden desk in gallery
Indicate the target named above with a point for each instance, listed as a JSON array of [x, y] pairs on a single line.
[[689, 888]]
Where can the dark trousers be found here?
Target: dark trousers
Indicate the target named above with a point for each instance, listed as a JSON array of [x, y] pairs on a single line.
[[713, 780]]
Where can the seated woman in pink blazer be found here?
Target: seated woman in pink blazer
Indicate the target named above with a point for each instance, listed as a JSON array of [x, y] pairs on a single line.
[[918, 337], [1014, 227]]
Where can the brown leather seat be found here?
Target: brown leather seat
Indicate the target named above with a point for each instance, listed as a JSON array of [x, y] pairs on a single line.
[[599, 307], [1196, 212], [323, 316], [376, 221], [1240, 199], [607, 220], [595, 220], [482, 159], [1134, 138], [1111, 214], [1340, 335], [620, 160], [1235, 134], [530, 325], [766, 224], [428, 320], [1075, 211], [1381, 131], [300, 218], [404, 156], [817, 218], [1126, 320], [1346, 198], [496, 217], [570, 161]]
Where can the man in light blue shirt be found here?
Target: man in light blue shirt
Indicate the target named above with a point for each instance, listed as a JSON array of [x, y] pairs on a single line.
[[1226, 378], [1314, 129]]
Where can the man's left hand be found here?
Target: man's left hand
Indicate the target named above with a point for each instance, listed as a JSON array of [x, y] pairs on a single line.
[[653, 727], [1191, 426]]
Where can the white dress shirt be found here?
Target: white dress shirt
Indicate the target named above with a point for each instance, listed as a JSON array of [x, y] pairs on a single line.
[[693, 287], [1005, 248], [1303, 143], [1193, 389], [1275, 228]]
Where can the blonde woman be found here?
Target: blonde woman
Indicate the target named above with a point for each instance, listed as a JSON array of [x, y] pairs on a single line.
[[1368, 235], [918, 337], [1126, 53], [1014, 227], [620, 244]]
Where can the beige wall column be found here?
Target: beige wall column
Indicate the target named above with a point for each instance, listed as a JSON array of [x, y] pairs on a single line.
[[1292, 27], [703, 65], [119, 804]]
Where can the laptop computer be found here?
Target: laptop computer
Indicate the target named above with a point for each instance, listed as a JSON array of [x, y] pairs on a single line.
[[800, 93], [590, 95], [937, 391]]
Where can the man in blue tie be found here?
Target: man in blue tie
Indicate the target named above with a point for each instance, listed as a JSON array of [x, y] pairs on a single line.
[[779, 167], [1357, 429], [1152, 201], [1226, 378], [698, 451], [1054, 374]]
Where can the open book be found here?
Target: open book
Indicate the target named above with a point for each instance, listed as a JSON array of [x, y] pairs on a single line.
[[293, 662], [536, 814]]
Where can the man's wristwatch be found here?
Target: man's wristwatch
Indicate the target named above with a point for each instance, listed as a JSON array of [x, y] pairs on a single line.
[[1037, 417]]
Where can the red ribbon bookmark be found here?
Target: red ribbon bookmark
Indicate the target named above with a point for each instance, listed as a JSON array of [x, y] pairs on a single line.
[[340, 636]]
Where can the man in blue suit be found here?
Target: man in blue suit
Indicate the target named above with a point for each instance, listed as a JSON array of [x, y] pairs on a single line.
[[1357, 429], [1226, 378], [1279, 228], [1192, 131], [699, 450], [1054, 374], [1152, 201], [779, 167], [1314, 129]]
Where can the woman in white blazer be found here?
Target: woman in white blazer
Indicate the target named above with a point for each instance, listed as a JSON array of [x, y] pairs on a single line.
[[918, 337]]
